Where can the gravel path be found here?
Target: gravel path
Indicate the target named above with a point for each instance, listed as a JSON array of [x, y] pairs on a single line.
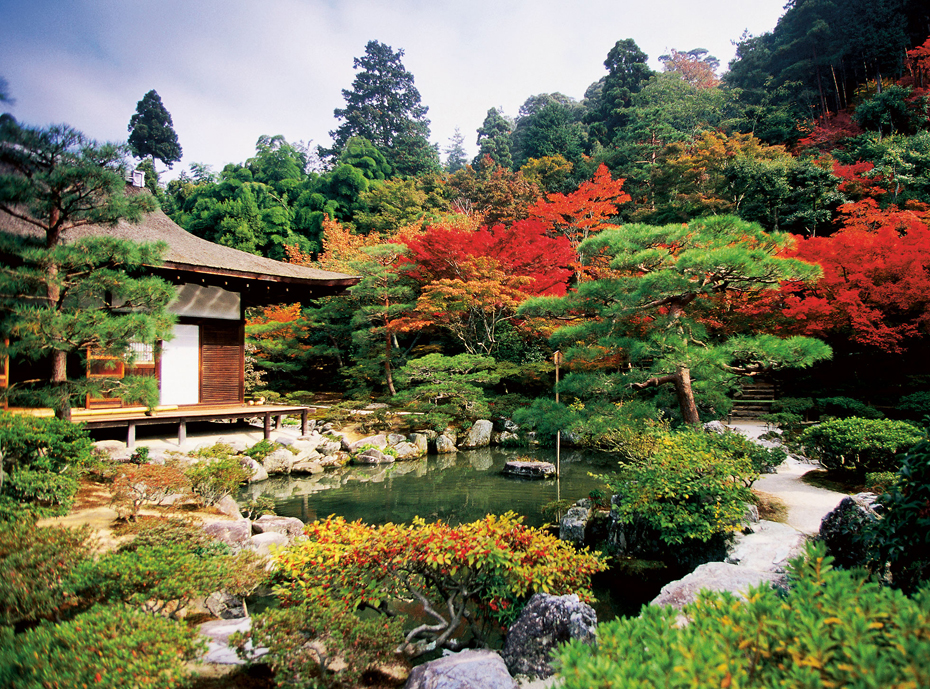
[[807, 505]]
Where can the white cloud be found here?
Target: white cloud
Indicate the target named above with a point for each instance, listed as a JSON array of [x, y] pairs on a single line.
[[232, 70]]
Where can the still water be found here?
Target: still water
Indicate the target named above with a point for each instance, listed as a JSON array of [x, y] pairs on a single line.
[[455, 488], [460, 488]]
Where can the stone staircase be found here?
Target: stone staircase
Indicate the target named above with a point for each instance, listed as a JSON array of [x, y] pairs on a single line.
[[753, 400]]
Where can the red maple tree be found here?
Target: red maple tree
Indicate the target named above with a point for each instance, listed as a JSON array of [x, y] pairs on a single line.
[[521, 249], [583, 212]]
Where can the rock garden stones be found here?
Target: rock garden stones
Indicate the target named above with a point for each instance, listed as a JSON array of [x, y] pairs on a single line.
[[529, 468], [445, 445], [546, 622], [373, 456], [479, 435], [465, 670], [572, 526], [271, 523], [279, 461]]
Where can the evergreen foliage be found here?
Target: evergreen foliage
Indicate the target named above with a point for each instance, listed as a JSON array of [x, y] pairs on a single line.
[[151, 131]]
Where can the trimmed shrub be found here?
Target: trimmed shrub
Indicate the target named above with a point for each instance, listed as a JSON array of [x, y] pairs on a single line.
[[42, 459], [308, 644], [36, 564], [692, 488], [166, 567], [901, 538], [861, 445], [212, 480], [261, 449], [831, 629], [154, 483], [109, 646]]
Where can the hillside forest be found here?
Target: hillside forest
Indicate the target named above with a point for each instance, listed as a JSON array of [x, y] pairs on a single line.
[[770, 209]]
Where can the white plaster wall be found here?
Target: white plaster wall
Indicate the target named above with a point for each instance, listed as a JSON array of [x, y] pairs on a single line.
[[180, 366]]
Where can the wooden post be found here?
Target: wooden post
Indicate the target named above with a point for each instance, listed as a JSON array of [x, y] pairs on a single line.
[[267, 427], [182, 431], [131, 436], [557, 359], [304, 414]]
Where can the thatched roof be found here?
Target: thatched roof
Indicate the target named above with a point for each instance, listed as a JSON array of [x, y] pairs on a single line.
[[260, 279]]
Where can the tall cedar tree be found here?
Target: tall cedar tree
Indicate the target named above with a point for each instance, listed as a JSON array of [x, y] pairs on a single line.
[[384, 107], [151, 132], [662, 282], [60, 297], [495, 139]]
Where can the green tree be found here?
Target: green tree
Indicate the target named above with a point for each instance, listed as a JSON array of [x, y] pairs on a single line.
[[653, 307], [383, 296], [151, 131], [455, 152], [494, 139], [627, 73], [384, 107], [61, 297], [549, 125]]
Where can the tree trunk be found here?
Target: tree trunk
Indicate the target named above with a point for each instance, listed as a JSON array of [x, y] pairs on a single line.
[[388, 375], [685, 395]]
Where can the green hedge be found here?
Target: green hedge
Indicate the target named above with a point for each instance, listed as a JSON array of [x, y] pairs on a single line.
[[856, 444], [110, 646], [833, 628]]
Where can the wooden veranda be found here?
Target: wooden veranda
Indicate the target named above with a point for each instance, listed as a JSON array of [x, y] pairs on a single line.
[[180, 416]]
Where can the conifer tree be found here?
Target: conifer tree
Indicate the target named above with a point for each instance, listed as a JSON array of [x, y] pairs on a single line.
[[384, 107], [656, 305], [60, 297], [494, 139], [151, 131]]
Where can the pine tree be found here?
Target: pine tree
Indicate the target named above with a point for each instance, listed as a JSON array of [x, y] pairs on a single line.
[[151, 132], [455, 152], [656, 309], [61, 297], [384, 107]]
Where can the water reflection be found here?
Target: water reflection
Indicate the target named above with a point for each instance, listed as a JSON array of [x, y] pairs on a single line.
[[456, 488]]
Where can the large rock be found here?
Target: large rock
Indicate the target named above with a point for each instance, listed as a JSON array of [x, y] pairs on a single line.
[[421, 440], [527, 468], [227, 505], [479, 435], [224, 606], [309, 443], [279, 462], [505, 438], [235, 533], [261, 543], [218, 632], [258, 471], [380, 441], [407, 450], [767, 547], [572, 526], [308, 466], [445, 445], [841, 529], [465, 670], [546, 622], [291, 527], [373, 456], [714, 576]]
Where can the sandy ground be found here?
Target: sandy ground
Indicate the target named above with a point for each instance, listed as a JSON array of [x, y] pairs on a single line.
[[807, 505]]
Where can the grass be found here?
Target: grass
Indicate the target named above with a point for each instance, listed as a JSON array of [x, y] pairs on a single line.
[[837, 481], [771, 507]]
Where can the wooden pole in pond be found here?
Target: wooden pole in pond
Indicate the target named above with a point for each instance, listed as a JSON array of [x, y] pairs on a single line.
[[557, 359]]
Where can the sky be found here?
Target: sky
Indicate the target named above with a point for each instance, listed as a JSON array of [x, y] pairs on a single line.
[[230, 71]]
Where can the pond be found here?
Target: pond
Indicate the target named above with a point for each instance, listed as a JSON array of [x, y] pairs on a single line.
[[459, 488], [456, 488]]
